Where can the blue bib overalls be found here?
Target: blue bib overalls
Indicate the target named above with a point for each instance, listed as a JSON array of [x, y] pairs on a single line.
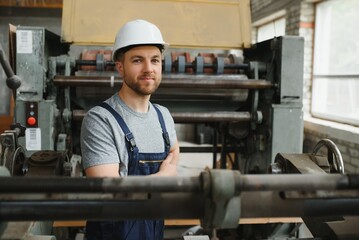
[[138, 164]]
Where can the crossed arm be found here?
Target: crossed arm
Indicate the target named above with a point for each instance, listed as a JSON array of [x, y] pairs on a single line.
[[168, 166]]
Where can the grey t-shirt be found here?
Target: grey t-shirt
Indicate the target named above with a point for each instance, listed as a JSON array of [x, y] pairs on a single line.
[[103, 141]]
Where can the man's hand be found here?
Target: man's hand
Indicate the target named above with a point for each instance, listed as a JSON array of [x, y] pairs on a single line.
[[167, 168]]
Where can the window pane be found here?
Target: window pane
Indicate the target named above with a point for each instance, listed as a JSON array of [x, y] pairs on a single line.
[[336, 62], [337, 38], [337, 99]]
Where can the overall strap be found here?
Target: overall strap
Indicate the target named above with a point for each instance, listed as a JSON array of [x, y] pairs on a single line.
[[130, 140], [163, 126]]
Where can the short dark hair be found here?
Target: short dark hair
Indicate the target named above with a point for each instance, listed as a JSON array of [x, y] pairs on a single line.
[[118, 55]]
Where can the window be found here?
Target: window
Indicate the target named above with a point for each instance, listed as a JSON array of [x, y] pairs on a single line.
[[335, 92], [270, 30], [269, 27]]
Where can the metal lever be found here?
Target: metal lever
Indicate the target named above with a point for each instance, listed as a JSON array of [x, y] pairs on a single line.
[[13, 81]]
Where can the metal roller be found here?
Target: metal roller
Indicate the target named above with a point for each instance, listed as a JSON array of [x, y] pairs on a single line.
[[206, 117], [171, 81], [219, 65], [192, 117], [180, 64], [167, 65], [198, 65]]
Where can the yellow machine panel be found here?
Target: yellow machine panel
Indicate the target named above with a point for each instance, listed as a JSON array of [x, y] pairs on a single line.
[[223, 24]]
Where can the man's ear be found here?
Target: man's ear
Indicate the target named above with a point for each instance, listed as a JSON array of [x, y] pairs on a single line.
[[119, 67]]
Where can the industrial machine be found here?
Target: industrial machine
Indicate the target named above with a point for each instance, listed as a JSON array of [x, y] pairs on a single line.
[[236, 96], [243, 99]]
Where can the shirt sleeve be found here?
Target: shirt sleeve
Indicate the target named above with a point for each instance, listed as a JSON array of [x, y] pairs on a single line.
[[97, 139]]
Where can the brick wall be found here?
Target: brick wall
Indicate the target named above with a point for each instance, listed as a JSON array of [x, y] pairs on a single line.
[[292, 19], [306, 30]]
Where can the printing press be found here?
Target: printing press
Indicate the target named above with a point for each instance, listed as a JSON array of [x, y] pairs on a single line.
[[243, 103]]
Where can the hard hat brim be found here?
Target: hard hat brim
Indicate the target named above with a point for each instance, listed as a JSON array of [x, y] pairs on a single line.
[[163, 48]]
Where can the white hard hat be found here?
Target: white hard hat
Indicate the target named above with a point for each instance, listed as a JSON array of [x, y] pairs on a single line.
[[138, 32]]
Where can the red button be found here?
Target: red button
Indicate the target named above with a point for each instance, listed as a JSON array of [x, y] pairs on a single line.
[[31, 121]]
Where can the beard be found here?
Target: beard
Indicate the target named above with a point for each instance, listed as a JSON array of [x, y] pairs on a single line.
[[142, 87]]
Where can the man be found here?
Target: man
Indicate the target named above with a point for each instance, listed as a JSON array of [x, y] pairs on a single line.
[[126, 134]]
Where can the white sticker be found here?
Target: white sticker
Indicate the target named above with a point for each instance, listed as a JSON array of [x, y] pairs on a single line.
[[24, 41], [33, 139]]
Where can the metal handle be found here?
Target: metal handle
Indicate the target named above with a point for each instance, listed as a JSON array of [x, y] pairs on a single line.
[[12, 81], [332, 148]]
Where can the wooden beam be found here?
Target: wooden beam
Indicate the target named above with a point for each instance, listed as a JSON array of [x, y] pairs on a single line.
[[191, 222], [32, 3]]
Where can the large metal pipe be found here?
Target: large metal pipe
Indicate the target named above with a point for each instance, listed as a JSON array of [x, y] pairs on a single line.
[[243, 183], [99, 185], [305, 182], [170, 81], [172, 197], [271, 204], [173, 206], [159, 206]]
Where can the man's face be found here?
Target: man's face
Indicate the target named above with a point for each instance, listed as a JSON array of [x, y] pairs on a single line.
[[141, 69]]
